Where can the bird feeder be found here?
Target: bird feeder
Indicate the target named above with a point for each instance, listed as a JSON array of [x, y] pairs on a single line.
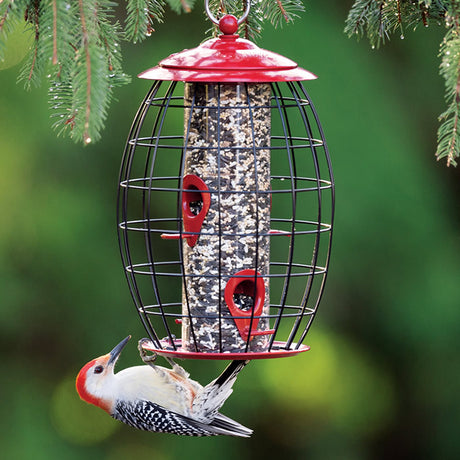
[[226, 203]]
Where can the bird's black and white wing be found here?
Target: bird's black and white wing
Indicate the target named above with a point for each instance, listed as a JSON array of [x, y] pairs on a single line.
[[148, 416]]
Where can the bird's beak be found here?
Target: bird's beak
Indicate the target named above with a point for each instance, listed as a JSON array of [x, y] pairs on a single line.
[[115, 353]]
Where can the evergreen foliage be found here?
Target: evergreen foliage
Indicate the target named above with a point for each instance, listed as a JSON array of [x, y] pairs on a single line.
[[77, 45], [141, 15], [378, 19]]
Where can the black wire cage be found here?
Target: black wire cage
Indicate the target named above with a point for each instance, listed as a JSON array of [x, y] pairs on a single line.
[[225, 215]]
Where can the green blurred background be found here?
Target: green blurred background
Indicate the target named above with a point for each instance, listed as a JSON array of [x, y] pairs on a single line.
[[382, 377]]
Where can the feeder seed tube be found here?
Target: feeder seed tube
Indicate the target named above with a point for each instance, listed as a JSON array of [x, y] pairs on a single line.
[[227, 130]]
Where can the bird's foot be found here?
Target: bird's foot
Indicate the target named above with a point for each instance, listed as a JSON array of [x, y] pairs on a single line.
[[179, 370], [146, 358]]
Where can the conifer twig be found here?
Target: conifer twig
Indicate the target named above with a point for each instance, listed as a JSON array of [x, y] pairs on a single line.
[[86, 138], [55, 57]]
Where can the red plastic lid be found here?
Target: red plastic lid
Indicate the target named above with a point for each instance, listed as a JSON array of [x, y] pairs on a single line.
[[227, 58]]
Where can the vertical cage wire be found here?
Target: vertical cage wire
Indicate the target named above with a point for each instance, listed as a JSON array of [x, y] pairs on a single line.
[[301, 197]]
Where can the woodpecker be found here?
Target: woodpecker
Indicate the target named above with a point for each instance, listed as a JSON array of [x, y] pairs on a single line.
[[154, 398]]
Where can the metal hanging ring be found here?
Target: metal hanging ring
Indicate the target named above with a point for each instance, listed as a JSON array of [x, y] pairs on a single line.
[[216, 21]]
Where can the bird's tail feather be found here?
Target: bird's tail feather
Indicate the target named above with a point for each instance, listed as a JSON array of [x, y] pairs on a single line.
[[212, 397], [230, 372], [221, 425], [225, 425]]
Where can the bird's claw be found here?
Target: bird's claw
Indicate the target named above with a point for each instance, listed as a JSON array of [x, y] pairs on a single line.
[[150, 359], [146, 358]]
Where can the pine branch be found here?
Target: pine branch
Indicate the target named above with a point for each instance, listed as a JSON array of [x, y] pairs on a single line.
[[366, 18], [86, 83], [448, 133], [108, 35], [55, 57], [80, 93], [11, 15], [63, 51], [35, 21], [35, 64], [77, 44], [141, 15], [278, 12]]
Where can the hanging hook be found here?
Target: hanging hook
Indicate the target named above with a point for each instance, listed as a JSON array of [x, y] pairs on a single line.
[[216, 21]]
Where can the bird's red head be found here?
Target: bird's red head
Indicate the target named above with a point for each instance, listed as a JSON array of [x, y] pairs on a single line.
[[94, 380]]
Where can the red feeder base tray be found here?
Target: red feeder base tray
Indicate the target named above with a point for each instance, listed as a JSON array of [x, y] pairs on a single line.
[[170, 351]]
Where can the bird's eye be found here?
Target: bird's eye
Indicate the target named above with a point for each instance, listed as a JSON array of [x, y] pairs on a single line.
[[98, 369]]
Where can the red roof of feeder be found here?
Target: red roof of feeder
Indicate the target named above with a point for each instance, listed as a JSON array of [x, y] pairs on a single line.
[[227, 59]]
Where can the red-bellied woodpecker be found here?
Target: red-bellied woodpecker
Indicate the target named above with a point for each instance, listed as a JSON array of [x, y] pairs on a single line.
[[154, 398]]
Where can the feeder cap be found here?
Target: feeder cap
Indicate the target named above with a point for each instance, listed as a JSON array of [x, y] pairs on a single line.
[[227, 59]]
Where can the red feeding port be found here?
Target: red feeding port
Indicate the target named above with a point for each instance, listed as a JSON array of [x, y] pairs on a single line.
[[251, 287], [195, 206]]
